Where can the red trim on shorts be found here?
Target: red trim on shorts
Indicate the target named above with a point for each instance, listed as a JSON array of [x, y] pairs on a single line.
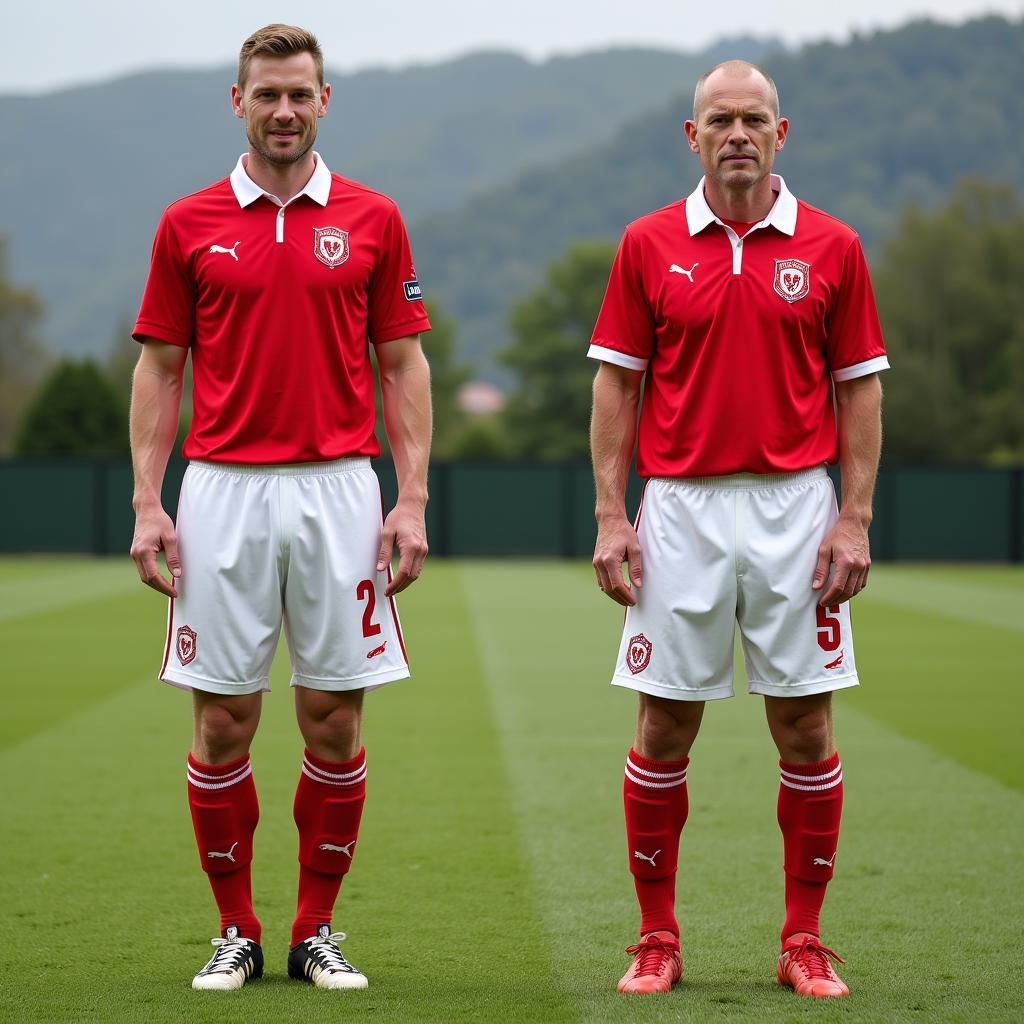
[[640, 508], [391, 598], [394, 615], [167, 647], [636, 526]]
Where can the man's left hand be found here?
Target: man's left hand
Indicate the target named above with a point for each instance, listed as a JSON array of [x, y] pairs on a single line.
[[846, 547], [405, 527]]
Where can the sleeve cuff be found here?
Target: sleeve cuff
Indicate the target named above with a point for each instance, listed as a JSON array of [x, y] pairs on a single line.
[[610, 355], [861, 369], [417, 326], [144, 329]]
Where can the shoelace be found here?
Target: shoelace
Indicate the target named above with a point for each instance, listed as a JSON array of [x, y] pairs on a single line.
[[229, 952], [652, 952], [325, 949], [813, 957]]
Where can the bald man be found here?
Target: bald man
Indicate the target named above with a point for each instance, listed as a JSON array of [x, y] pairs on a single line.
[[746, 318]]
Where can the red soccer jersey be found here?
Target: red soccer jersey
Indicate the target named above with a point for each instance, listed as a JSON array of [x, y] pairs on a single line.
[[739, 337], [278, 304]]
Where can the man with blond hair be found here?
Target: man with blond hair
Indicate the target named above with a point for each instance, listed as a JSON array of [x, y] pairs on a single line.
[[746, 317], [274, 278]]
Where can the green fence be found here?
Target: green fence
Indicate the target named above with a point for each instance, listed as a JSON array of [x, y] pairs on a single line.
[[940, 513]]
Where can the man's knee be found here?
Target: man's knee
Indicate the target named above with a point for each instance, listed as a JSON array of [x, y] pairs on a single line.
[[224, 726], [330, 723], [666, 729], [802, 728]]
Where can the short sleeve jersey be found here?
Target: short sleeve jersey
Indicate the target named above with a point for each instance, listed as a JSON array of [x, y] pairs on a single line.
[[279, 304], [740, 337]]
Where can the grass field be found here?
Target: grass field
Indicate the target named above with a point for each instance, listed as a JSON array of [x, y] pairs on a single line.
[[491, 881]]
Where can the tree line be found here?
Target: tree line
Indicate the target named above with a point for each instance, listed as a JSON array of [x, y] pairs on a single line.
[[947, 281]]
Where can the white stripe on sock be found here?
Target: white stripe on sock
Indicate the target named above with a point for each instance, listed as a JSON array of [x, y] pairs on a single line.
[[220, 776], [653, 785], [359, 776], [812, 789], [341, 777], [653, 775], [812, 778], [195, 780]]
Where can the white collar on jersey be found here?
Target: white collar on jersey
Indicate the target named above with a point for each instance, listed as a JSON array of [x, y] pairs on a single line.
[[318, 188], [782, 214]]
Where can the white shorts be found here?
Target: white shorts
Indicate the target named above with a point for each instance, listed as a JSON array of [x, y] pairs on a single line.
[[717, 551], [297, 545]]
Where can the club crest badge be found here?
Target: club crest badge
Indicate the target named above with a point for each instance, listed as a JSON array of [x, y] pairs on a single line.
[[186, 644], [792, 279], [330, 246], [638, 654]]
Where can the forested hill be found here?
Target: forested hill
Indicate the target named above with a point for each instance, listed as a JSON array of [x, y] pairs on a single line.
[[88, 170], [889, 119]]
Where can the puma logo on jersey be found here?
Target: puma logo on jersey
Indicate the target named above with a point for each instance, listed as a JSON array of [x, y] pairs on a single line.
[[838, 661], [227, 252], [821, 862], [230, 855], [377, 650], [346, 849], [643, 856], [676, 269]]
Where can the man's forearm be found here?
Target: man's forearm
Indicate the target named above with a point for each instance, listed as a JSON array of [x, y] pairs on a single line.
[[405, 393], [859, 404], [156, 402], [612, 438]]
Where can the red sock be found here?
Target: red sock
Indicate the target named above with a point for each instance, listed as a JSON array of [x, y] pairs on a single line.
[[810, 806], [328, 806], [222, 799], [656, 802]]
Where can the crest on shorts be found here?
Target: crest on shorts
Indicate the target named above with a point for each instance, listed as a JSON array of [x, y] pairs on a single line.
[[792, 279], [330, 246], [185, 646], [638, 654]]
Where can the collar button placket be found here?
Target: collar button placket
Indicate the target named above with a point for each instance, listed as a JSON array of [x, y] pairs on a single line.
[[737, 256]]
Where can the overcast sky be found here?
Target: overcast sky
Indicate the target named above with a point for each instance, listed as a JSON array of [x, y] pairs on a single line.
[[52, 45]]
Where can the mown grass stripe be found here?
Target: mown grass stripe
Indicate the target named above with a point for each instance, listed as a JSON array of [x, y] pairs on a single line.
[[950, 683], [43, 586], [102, 890], [926, 865], [981, 597], [59, 662]]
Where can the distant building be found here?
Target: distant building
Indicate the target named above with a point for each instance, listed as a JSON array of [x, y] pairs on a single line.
[[478, 398]]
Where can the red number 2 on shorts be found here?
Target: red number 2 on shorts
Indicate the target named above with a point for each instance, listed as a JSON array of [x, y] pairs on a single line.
[[829, 636], [365, 592]]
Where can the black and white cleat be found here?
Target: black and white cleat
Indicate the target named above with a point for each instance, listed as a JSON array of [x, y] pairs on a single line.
[[235, 962], [319, 961]]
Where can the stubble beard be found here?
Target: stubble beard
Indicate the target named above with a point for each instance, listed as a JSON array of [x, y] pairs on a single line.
[[279, 159], [736, 179]]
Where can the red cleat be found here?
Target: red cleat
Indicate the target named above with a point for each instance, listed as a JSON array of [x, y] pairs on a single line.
[[805, 968], [657, 964]]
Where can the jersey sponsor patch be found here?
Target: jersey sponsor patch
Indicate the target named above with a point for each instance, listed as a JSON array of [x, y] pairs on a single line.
[[792, 279], [638, 655], [413, 291], [330, 246], [186, 644]]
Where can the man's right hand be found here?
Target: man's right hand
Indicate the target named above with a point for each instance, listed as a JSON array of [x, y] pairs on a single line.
[[154, 532], [617, 543]]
